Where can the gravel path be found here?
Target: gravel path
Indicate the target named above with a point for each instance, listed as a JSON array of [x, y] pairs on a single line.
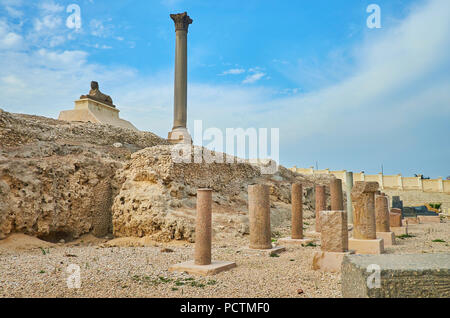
[[121, 271]]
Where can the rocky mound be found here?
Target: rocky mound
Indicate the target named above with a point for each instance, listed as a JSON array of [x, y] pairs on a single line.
[[56, 177]]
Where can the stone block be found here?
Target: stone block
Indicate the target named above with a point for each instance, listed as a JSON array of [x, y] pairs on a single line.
[[429, 219], [329, 261], [388, 238], [401, 276], [375, 246]]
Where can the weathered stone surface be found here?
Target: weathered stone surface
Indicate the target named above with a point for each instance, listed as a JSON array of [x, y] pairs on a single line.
[[363, 200], [334, 235], [395, 219], [202, 253], [382, 214], [337, 199], [297, 211], [57, 178], [321, 204], [259, 212], [402, 276]]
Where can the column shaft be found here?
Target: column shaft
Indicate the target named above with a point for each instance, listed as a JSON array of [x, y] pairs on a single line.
[[382, 213], [180, 91], [297, 211], [337, 200], [259, 214], [321, 204], [349, 187], [202, 255]]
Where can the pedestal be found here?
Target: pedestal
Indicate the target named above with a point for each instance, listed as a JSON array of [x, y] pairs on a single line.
[[329, 261], [429, 219], [375, 246], [180, 135], [89, 110], [388, 238]]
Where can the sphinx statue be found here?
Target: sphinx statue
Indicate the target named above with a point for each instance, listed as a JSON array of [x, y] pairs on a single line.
[[97, 95]]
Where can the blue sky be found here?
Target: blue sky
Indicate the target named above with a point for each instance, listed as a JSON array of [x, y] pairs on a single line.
[[342, 94]]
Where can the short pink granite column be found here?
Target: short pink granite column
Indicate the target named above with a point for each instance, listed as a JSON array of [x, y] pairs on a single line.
[[202, 254], [363, 198], [297, 211], [321, 204], [334, 235], [337, 200], [395, 219], [259, 214], [382, 214]]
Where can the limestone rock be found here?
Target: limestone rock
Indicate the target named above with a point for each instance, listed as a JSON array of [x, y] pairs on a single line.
[[56, 177]]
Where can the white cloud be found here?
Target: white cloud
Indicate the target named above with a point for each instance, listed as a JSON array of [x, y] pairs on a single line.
[[9, 39], [234, 71], [51, 7], [253, 78]]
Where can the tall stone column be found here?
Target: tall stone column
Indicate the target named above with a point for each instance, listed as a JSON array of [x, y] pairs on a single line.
[[297, 237], [179, 132], [348, 188], [364, 240], [202, 255], [321, 204], [297, 211], [259, 214], [337, 200], [202, 263]]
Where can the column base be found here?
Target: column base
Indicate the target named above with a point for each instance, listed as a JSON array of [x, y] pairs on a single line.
[[313, 234], [291, 241], [388, 238], [366, 246], [402, 230], [268, 251], [329, 261], [429, 219], [411, 220], [205, 270], [180, 135]]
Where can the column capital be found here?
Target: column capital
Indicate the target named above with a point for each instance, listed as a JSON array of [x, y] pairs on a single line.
[[182, 21]]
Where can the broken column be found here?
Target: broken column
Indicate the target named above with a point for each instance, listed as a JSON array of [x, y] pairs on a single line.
[[395, 222], [202, 264], [337, 200], [179, 133], [297, 217], [382, 220], [321, 204], [259, 215], [364, 240], [334, 237]]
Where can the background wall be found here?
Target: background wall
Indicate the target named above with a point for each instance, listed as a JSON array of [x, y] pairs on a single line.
[[414, 191]]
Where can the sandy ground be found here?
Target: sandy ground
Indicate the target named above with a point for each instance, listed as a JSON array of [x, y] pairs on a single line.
[[139, 267]]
